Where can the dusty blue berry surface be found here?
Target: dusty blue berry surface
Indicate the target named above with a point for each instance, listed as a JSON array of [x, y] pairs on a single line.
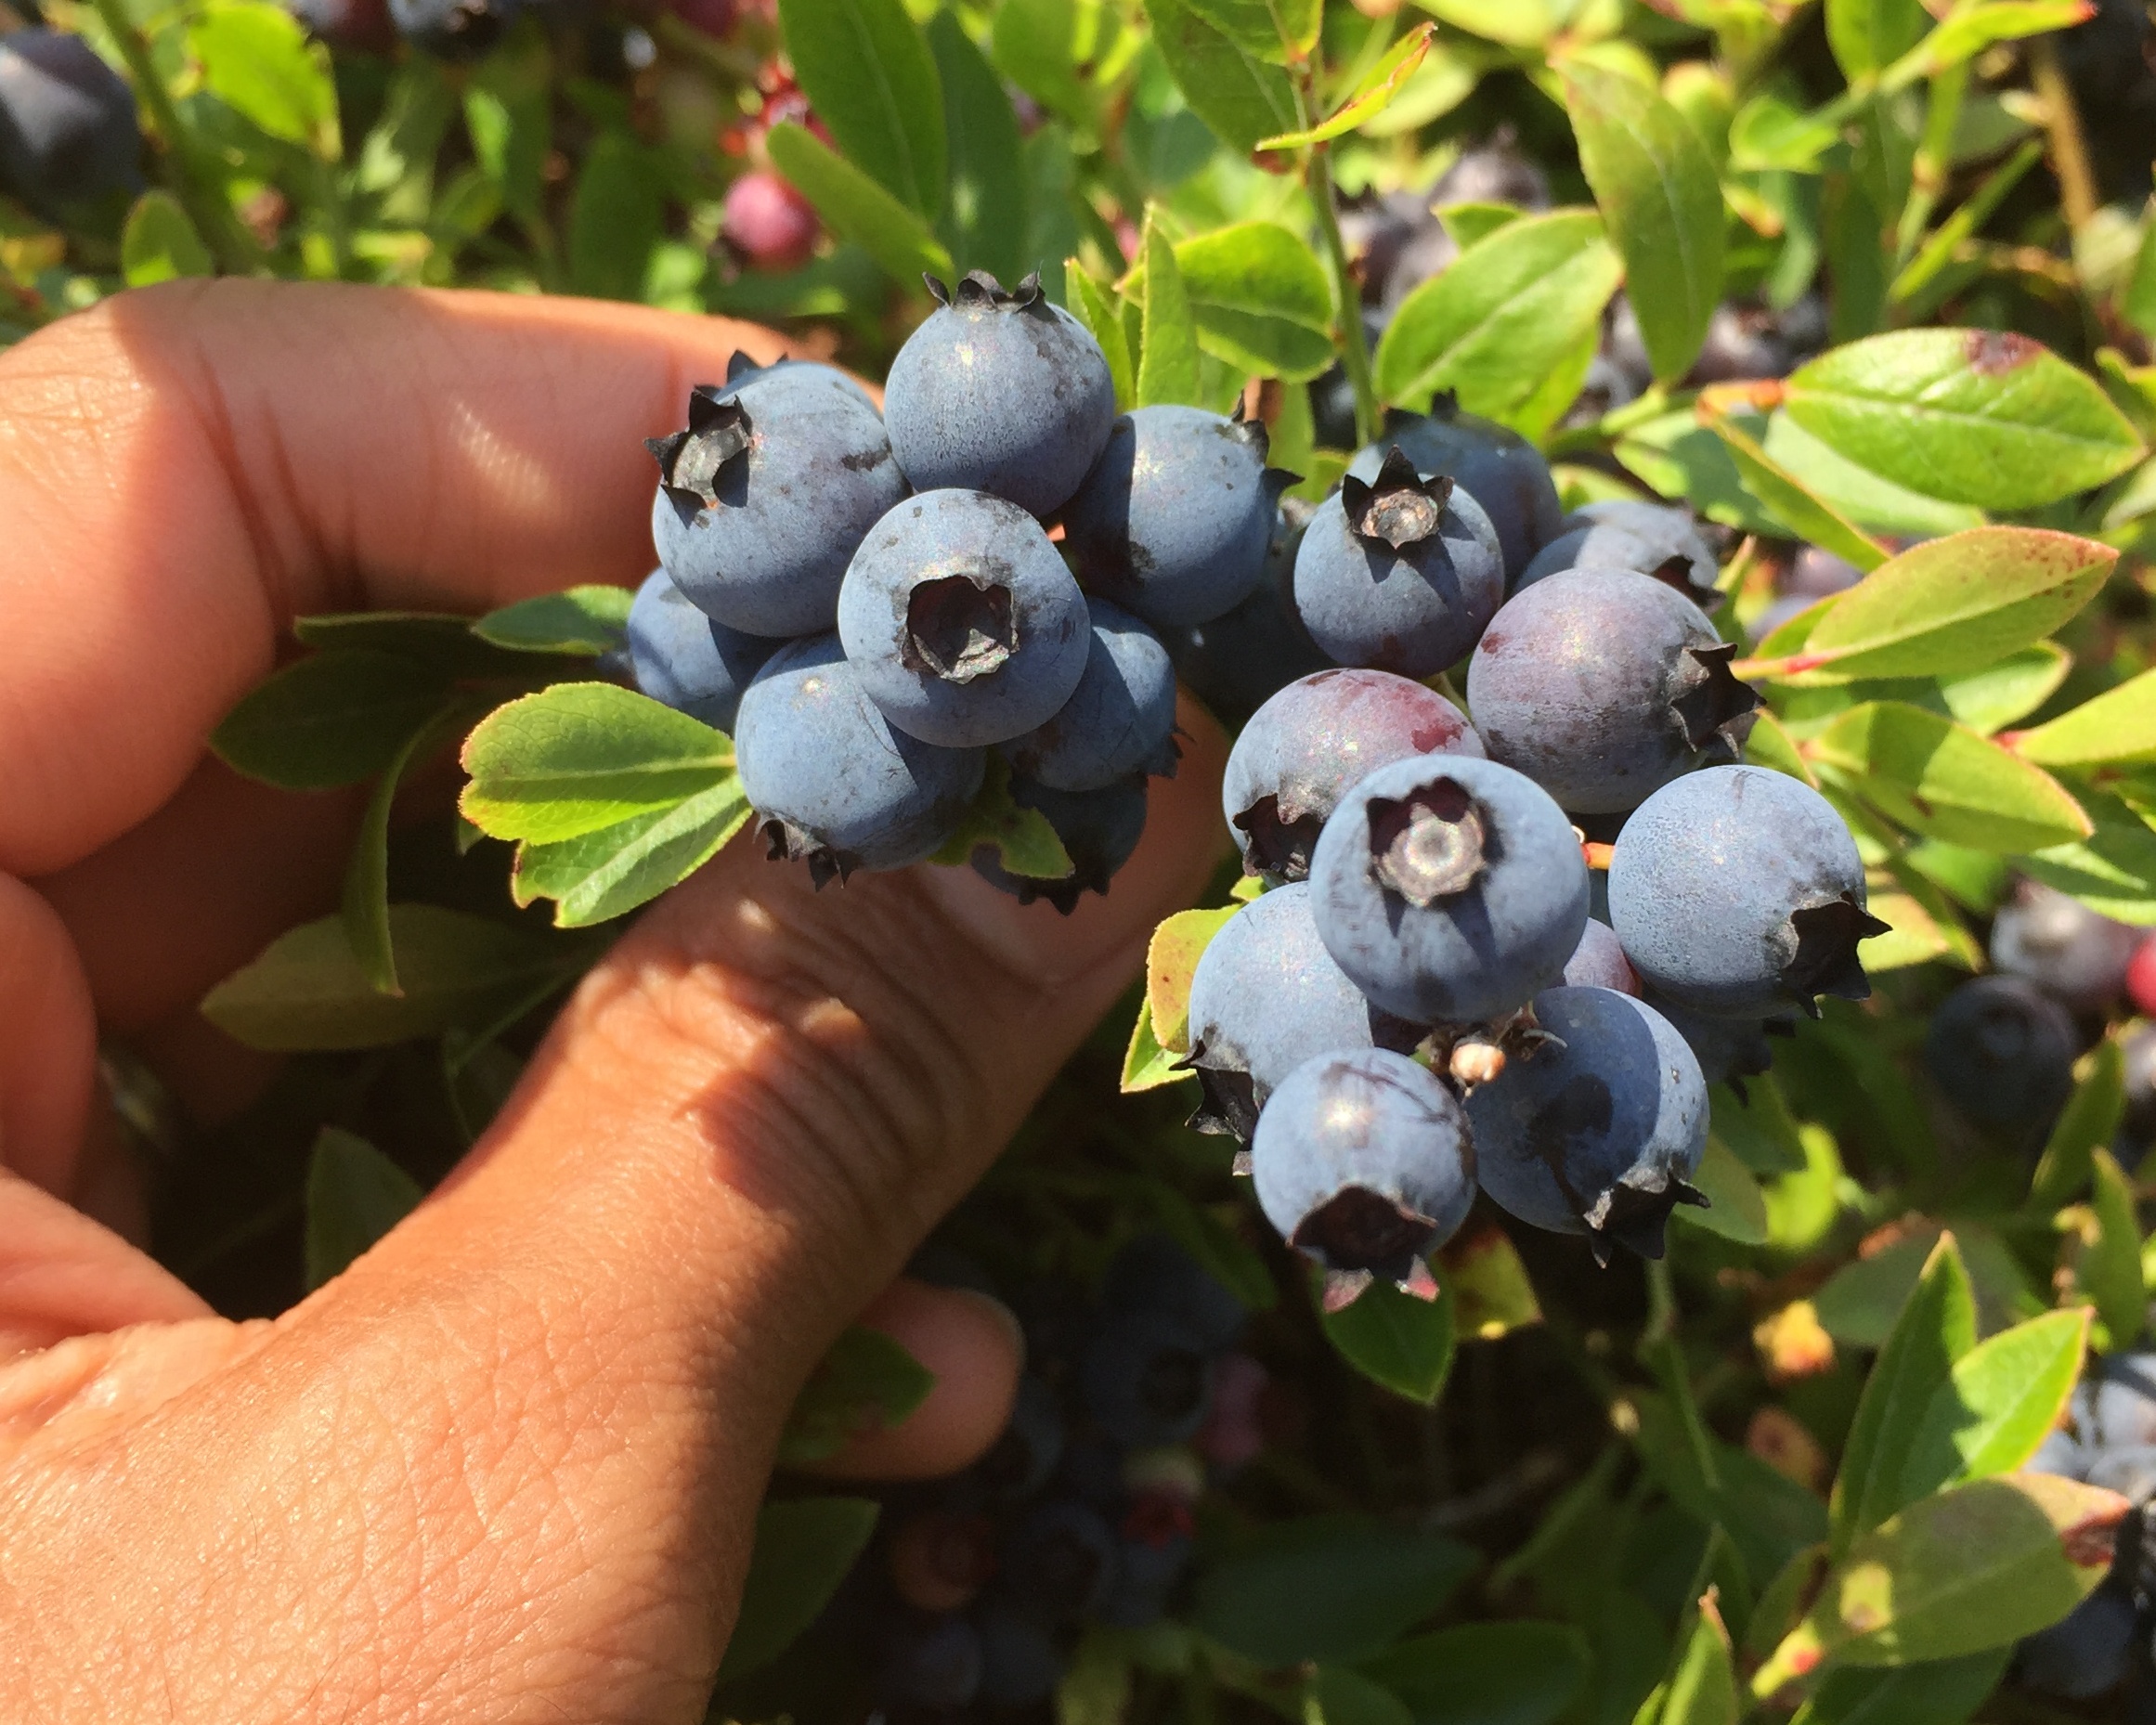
[[1236, 661], [683, 658], [2001, 1054], [1643, 537], [69, 139], [1120, 720], [1503, 473]]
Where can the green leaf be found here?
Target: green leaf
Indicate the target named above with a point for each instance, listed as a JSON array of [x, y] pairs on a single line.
[[581, 755], [868, 72], [257, 60], [2137, 294], [1239, 96], [1168, 348], [366, 901], [1276, 30], [1932, 1691], [1147, 1065], [2002, 1400], [1512, 1673], [2088, 1122], [1370, 97], [160, 243], [985, 211], [865, 1382], [1973, 416], [1326, 1587], [2113, 870], [1505, 314], [1967, 31], [1022, 837], [1767, 134], [1172, 956], [1658, 187], [856, 207], [1791, 505], [1517, 23], [804, 1548], [1969, 1569], [1054, 49], [355, 1195], [1338, 1694], [1856, 492], [2118, 725], [308, 990], [1952, 606], [2009, 689], [1491, 1294], [432, 637], [1214, 1247], [1870, 35], [615, 218], [1703, 1688], [2110, 1267], [1944, 781], [1094, 305], [1737, 1208], [597, 876], [1260, 300], [581, 621], [1396, 1340], [1758, 1126], [1937, 1327], [333, 718]]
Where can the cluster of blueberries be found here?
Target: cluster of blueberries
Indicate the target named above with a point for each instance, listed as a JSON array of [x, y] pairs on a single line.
[[872, 604], [977, 1586], [2108, 1643]]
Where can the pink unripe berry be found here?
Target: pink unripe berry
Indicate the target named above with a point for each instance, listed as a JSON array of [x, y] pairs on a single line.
[[714, 17], [2141, 978], [768, 224]]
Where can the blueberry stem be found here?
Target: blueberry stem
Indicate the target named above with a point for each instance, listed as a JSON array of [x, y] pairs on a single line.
[[1355, 349], [236, 248]]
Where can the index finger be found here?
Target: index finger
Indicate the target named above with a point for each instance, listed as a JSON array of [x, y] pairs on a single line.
[[186, 469]]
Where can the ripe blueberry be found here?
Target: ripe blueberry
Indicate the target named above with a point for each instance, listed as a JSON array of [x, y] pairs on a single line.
[[1597, 1131], [1362, 1163], [2076, 955], [1145, 1379], [1267, 997], [1120, 720], [764, 498], [1002, 393], [1503, 473], [961, 621], [1235, 662], [1402, 573], [1024, 1457], [1646, 538], [1313, 739], [1599, 961], [1100, 830], [683, 658], [831, 780], [1603, 686], [70, 145], [2088, 1653], [1738, 892], [1176, 515], [2002, 1052], [1449, 889]]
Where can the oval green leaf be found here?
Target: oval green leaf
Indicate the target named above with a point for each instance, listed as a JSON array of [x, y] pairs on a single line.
[[856, 206], [1396, 1339], [2117, 725], [868, 70], [160, 243], [1259, 299], [1240, 95], [329, 719], [2000, 1402], [803, 1550], [1943, 780], [355, 1195], [985, 209], [1517, 1673]]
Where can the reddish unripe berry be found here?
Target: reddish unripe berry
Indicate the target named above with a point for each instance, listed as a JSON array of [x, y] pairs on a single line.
[[2141, 978], [714, 17], [768, 224]]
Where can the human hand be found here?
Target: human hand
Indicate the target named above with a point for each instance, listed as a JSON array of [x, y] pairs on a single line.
[[506, 1467]]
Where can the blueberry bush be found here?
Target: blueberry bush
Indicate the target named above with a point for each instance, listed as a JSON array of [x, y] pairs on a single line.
[[1625, 1202]]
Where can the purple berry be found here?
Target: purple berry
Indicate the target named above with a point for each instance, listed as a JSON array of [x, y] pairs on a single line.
[[1121, 719], [1362, 1163], [1599, 961], [68, 141], [1739, 892], [1450, 890], [1003, 392], [831, 781], [764, 497], [1100, 830], [2001, 1051], [2076, 955], [1503, 473], [1176, 515], [961, 621], [1400, 574], [1598, 1131], [681, 657], [1602, 687], [1307, 744], [1267, 997]]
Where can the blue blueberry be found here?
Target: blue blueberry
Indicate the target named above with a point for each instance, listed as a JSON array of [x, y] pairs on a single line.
[[1059, 1562], [961, 621], [1738, 892], [1100, 830], [1499, 469], [2001, 1051], [681, 657], [1646, 538], [1450, 889], [831, 781], [1363, 1163], [1002, 393], [1599, 961], [1151, 1274], [1729, 1050], [70, 145], [1146, 1378], [2088, 1653], [1023, 1459], [2076, 955], [1603, 686], [1401, 574], [931, 1662], [1175, 518], [1309, 742], [764, 497], [1598, 1131], [1235, 662], [1267, 997], [1121, 719], [1020, 1664]]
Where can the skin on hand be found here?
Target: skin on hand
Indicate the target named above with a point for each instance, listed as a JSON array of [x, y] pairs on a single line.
[[505, 1467]]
